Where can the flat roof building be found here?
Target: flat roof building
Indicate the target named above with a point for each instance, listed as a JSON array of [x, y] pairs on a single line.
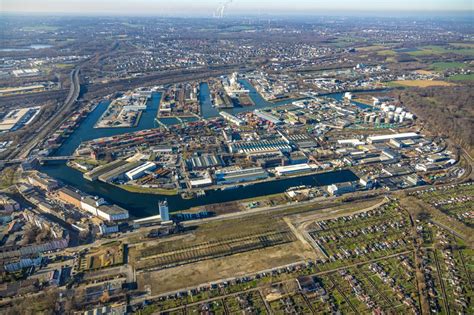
[[398, 136], [268, 117], [233, 119], [224, 177], [140, 170], [292, 169]]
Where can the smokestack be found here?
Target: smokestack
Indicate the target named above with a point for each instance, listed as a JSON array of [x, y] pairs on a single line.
[[220, 12]]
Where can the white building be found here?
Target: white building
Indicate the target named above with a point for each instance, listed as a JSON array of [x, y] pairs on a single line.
[[398, 136], [99, 208], [292, 169], [233, 119], [201, 182], [140, 170], [341, 188]]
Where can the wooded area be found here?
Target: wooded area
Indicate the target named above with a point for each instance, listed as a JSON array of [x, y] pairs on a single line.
[[446, 110]]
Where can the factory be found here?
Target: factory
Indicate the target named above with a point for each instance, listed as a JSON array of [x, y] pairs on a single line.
[[292, 169], [260, 146], [204, 162], [234, 176], [341, 188], [396, 136], [200, 182], [268, 117], [17, 118], [233, 119], [93, 205], [140, 170], [99, 208]]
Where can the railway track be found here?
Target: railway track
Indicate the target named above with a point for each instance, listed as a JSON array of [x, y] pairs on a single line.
[[162, 260]]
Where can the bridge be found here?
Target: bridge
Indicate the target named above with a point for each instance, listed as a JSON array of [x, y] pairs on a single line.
[[39, 158], [57, 158]]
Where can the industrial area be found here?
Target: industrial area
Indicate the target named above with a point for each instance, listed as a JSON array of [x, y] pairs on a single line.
[[236, 166]]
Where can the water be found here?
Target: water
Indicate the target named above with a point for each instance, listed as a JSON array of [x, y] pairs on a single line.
[[34, 46], [13, 49], [39, 46], [86, 130], [142, 205], [208, 111]]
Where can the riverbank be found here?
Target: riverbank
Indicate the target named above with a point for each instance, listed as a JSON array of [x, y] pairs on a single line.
[[148, 190]]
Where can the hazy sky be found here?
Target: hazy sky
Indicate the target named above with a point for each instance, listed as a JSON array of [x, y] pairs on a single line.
[[206, 7]]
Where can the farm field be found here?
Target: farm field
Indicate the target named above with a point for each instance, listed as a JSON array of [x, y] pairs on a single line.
[[420, 83]]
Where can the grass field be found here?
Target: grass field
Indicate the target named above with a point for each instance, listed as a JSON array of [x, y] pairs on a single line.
[[146, 190], [462, 77], [423, 72], [420, 83], [372, 48], [441, 66], [387, 53], [439, 50], [224, 267]]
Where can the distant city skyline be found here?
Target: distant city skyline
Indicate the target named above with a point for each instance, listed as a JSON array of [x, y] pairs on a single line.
[[235, 7]]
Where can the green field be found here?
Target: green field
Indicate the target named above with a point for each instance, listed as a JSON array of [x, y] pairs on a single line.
[[387, 53], [439, 50], [462, 77], [441, 66]]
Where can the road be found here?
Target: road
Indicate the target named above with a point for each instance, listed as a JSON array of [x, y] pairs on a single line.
[[54, 121]]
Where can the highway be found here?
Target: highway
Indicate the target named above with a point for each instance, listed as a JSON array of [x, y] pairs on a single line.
[[54, 121]]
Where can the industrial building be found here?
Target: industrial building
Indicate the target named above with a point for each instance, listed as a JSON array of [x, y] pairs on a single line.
[[260, 146], [204, 162], [17, 118], [397, 136], [341, 188], [140, 170], [94, 205], [268, 117], [292, 169], [70, 196], [201, 182], [232, 118], [224, 177], [99, 208]]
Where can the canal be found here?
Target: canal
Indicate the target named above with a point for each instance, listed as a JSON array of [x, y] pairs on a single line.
[[143, 205]]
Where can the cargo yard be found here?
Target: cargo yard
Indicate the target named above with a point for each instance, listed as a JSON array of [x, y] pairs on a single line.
[[300, 138], [126, 110]]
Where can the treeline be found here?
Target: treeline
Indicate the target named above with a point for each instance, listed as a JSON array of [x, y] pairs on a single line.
[[445, 110]]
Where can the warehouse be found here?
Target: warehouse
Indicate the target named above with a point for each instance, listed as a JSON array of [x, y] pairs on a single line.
[[250, 147], [204, 162], [140, 170], [201, 182], [342, 188], [224, 177], [233, 119], [292, 169], [268, 117], [397, 136], [99, 208], [70, 196]]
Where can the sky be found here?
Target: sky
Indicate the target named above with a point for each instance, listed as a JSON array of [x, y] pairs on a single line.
[[235, 7]]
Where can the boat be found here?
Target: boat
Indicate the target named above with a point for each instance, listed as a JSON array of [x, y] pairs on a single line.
[[298, 187], [231, 187]]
